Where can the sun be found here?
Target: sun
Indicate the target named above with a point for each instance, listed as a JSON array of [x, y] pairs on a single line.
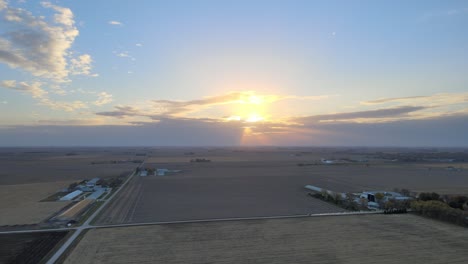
[[254, 118], [250, 109]]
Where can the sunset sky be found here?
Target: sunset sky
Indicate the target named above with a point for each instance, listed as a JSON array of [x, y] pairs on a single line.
[[307, 73]]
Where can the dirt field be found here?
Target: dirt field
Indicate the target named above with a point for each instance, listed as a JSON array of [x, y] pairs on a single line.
[[335, 239], [29, 175], [264, 182], [28, 248], [178, 197], [20, 204], [415, 177], [375, 174], [20, 166]]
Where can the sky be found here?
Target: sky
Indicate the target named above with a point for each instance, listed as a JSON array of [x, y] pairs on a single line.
[[286, 73]]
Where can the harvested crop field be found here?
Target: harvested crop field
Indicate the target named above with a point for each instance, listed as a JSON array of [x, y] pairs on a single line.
[[37, 165], [263, 182], [184, 197], [20, 204], [415, 177], [28, 247], [29, 175], [331, 239]]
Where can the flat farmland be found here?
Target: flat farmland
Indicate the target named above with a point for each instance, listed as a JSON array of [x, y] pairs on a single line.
[[203, 193], [63, 164], [29, 175], [263, 183], [28, 248], [332, 239], [415, 177], [20, 204]]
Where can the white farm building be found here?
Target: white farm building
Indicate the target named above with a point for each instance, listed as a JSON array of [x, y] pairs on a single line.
[[71, 195]]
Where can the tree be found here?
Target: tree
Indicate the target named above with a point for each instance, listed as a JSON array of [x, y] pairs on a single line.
[[72, 186], [429, 196]]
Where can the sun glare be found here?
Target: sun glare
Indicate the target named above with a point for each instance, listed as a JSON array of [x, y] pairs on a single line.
[[254, 118], [251, 108]]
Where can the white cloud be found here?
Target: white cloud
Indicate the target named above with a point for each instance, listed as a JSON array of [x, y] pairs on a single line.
[[139, 45], [124, 54], [33, 88], [82, 65], [36, 90], [38, 46], [103, 98], [115, 23], [42, 46], [63, 16]]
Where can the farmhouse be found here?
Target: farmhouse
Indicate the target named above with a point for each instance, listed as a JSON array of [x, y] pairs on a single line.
[[372, 201]]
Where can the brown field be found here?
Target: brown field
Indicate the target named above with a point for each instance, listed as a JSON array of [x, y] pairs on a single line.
[[176, 197], [332, 239], [20, 204], [29, 175], [264, 182], [55, 164], [28, 248]]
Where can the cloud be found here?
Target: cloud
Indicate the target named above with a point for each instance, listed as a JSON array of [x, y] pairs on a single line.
[[3, 4], [170, 108], [82, 65], [200, 132], [41, 47], [220, 107], [63, 16], [395, 99], [139, 45], [36, 91], [33, 88], [440, 99], [124, 54], [122, 111], [115, 23], [386, 113], [103, 98]]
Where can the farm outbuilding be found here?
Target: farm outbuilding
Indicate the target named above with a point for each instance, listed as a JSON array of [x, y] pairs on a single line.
[[161, 172], [96, 194], [71, 195], [93, 182]]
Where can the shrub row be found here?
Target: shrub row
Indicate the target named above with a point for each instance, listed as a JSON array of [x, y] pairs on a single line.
[[440, 210], [347, 204]]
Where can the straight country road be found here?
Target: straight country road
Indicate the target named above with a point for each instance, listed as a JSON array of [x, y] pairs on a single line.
[[86, 224]]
